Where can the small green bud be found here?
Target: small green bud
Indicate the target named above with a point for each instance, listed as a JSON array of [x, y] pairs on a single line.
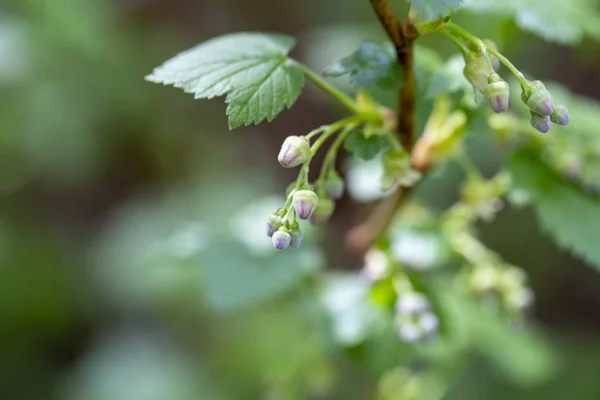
[[497, 93], [295, 150], [397, 170], [323, 211], [281, 239], [274, 222], [539, 99], [296, 236], [334, 185], [305, 202], [493, 59], [560, 115], [540, 122], [477, 70]]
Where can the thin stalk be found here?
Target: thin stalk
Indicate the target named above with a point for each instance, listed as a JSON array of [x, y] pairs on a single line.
[[474, 39], [333, 150], [459, 43], [329, 89]]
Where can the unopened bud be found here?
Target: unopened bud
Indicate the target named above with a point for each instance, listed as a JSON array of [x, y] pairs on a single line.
[[409, 332], [560, 115], [323, 211], [296, 235], [281, 239], [295, 150], [305, 202], [493, 59], [477, 70], [412, 304], [540, 122], [497, 94], [274, 222], [429, 324], [334, 185], [540, 99]]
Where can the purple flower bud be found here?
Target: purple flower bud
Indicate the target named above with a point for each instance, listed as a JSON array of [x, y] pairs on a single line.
[[334, 185], [409, 332], [305, 202], [281, 239], [429, 324], [560, 115], [477, 70], [540, 99], [273, 223], [497, 94], [412, 304], [540, 122], [493, 59], [295, 150], [323, 211], [296, 237]]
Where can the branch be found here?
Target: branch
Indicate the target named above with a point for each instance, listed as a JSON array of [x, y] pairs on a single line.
[[361, 237]]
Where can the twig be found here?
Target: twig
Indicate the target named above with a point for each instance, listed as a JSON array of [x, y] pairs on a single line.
[[402, 35]]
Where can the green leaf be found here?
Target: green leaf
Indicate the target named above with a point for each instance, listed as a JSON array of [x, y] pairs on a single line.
[[366, 147], [449, 78], [372, 64], [236, 277], [564, 209], [557, 20], [251, 68], [432, 9]]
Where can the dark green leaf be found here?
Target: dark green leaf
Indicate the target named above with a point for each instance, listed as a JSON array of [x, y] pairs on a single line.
[[432, 9], [237, 278], [564, 209], [557, 20], [251, 68], [373, 64], [366, 148]]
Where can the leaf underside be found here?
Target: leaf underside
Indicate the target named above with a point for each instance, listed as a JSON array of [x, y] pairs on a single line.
[[432, 9], [252, 69], [564, 209]]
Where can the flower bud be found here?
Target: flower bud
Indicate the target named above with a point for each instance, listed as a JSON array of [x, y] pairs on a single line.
[[295, 150], [540, 122], [334, 185], [412, 304], [560, 115], [497, 94], [323, 211], [429, 323], [409, 332], [296, 236], [281, 239], [274, 222], [477, 70], [305, 202], [540, 99], [493, 59]]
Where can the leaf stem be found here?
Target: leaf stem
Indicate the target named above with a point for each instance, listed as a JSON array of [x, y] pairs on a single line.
[[329, 88], [478, 42], [333, 150]]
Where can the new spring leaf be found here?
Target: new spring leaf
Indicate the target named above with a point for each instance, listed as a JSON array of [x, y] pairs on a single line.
[[251, 68]]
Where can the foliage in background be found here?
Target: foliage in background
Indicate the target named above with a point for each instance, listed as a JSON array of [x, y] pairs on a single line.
[[134, 259]]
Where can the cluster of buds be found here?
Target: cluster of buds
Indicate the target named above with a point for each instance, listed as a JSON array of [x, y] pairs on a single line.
[[314, 203], [415, 320], [542, 109], [504, 283], [484, 197], [481, 70]]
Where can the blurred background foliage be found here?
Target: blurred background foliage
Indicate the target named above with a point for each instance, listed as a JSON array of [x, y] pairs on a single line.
[[132, 258]]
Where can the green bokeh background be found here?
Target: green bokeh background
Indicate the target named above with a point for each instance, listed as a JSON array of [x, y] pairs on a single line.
[[129, 264]]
